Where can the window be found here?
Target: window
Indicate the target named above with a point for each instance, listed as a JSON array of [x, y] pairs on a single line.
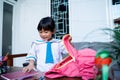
[[114, 2], [60, 14]]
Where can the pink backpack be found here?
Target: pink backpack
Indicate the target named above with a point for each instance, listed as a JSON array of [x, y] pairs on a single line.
[[79, 63]]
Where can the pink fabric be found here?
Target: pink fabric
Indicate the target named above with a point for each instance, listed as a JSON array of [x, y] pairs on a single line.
[[79, 63]]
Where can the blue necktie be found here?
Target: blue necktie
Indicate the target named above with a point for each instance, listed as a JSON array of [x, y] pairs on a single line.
[[49, 56]]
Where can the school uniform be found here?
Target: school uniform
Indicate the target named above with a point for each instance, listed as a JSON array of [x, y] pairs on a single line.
[[38, 53]]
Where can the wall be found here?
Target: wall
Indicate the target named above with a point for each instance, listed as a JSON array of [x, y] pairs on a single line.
[[87, 17], [25, 30]]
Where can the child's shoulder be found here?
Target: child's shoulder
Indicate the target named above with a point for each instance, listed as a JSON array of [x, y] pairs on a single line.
[[38, 41]]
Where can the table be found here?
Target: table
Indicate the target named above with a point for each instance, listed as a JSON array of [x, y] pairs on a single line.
[[36, 77]]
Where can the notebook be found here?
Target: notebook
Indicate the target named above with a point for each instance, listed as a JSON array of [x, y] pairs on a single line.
[[18, 75]]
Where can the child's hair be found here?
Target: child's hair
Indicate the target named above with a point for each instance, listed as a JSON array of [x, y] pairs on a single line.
[[46, 23]]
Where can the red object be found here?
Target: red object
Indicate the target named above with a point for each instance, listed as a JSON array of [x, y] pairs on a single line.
[[5, 58], [79, 63], [105, 61]]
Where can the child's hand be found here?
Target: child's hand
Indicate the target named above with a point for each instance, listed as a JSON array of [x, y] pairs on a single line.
[[29, 67]]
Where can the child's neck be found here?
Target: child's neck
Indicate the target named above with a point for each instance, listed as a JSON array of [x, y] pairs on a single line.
[[47, 40]]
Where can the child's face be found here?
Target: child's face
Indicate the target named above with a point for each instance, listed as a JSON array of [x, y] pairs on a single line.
[[46, 35]]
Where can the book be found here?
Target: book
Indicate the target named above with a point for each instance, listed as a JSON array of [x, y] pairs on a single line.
[[18, 75]]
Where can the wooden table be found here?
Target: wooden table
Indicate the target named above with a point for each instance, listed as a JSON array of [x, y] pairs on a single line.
[[37, 77]]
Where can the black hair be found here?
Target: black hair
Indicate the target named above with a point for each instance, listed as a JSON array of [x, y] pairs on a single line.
[[46, 23]]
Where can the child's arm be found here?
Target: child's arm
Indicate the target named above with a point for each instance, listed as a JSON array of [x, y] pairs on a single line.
[[30, 67]]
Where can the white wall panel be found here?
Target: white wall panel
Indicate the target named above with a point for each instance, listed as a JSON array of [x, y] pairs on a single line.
[[87, 16]]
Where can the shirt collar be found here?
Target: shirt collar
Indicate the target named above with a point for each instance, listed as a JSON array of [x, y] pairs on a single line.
[[42, 41]]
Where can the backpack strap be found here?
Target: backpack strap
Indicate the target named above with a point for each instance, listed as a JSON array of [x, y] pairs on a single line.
[[70, 49]]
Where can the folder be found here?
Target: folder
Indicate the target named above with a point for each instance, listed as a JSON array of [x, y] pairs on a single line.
[[18, 75]]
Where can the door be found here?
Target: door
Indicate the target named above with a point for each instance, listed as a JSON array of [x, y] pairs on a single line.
[[7, 28]]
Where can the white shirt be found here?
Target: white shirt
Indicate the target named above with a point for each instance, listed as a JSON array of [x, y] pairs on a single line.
[[38, 53]]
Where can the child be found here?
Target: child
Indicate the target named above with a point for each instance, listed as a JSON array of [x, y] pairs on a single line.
[[38, 51]]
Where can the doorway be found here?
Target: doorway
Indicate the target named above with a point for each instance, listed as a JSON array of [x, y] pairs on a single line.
[[7, 28]]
